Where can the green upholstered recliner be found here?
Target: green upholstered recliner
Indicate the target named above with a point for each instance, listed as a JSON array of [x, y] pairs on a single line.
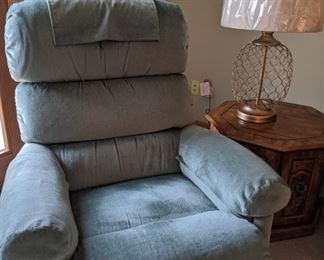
[[112, 167]]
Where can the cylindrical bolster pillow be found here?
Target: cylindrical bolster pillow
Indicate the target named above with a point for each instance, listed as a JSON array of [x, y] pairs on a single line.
[[36, 220], [92, 110], [33, 57], [230, 175]]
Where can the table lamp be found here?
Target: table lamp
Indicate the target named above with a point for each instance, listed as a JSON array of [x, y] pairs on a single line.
[[263, 69]]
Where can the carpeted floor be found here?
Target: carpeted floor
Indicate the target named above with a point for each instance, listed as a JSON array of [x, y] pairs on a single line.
[[304, 248]]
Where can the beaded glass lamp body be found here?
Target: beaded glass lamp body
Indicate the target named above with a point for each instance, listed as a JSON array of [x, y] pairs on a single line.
[[262, 74]]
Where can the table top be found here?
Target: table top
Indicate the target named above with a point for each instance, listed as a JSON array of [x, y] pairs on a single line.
[[297, 127]]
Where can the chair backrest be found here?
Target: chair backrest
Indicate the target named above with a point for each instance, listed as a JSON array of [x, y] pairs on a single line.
[[109, 105]]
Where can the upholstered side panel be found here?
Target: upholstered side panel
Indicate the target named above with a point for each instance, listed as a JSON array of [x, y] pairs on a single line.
[[265, 225], [33, 57], [91, 110], [90, 164]]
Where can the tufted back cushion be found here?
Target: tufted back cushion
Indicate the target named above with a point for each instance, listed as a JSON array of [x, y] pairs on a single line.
[[105, 107], [91, 110], [95, 163]]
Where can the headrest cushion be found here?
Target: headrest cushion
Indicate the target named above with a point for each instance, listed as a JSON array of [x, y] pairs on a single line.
[[33, 57]]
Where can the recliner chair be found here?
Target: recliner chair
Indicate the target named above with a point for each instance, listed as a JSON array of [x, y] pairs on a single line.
[[112, 167]]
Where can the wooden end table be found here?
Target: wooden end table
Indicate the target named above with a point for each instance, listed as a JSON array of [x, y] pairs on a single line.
[[294, 147]]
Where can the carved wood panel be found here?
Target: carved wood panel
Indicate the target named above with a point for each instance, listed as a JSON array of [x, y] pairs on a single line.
[[299, 181], [302, 172]]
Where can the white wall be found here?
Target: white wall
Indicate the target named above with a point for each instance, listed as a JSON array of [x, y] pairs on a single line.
[[213, 50]]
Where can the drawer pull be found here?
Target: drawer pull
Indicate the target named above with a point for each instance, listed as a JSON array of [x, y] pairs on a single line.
[[300, 188]]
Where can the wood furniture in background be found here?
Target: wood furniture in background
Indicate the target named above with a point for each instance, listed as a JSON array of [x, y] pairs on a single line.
[[294, 147], [7, 102], [10, 2]]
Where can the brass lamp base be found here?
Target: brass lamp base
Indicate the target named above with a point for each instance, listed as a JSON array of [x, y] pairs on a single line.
[[254, 114]]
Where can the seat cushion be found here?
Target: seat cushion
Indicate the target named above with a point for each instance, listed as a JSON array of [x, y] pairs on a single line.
[[165, 217]]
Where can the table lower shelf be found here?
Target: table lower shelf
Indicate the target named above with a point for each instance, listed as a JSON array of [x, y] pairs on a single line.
[[292, 232]]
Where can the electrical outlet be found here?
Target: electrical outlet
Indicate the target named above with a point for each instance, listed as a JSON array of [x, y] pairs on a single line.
[[205, 88], [195, 87]]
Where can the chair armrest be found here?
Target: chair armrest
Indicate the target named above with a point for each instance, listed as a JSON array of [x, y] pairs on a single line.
[[231, 176], [36, 220]]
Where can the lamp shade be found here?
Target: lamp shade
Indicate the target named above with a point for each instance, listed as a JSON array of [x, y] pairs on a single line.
[[273, 15]]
